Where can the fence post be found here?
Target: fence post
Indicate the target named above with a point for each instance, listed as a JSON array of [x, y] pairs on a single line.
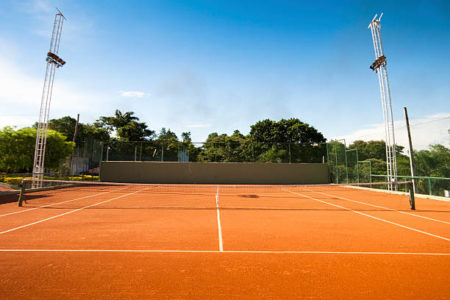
[[357, 166], [290, 159], [429, 186], [107, 152], [346, 164]]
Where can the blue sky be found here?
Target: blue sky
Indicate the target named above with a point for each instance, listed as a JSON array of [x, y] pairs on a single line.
[[217, 66]]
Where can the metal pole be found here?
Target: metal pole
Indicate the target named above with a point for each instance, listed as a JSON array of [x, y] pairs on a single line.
[[337, 169], [357, 166], [53, 62], [73, 141], [76, 129], [379, 66], [289, 152], [429, 186], [411, 152], [101, 152], [328, 155], [346, 165]]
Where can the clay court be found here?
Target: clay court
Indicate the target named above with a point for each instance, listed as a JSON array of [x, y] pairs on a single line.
[[222, 242]]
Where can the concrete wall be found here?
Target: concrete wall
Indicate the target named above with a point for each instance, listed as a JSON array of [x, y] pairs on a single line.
[[225, 173]]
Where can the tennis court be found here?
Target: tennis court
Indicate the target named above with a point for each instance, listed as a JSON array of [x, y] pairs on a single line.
[[109, 241]]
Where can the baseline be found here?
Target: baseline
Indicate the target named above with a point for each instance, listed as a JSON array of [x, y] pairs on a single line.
[[231, 251]]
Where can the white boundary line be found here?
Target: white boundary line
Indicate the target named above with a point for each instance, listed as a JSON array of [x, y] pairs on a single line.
[[373, 217], [229, 251], [377, 206], [66, 213], [52, 204], [219, 227]]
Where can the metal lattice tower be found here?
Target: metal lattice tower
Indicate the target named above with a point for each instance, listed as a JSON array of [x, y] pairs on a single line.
[[379, 66], [53, 62]]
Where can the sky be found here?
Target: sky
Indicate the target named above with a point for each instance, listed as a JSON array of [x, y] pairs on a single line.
[[217, 66]]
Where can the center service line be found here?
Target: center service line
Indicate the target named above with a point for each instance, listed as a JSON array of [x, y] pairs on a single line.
[[219, 227]]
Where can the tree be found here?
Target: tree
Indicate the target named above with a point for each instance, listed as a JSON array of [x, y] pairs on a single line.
[[224, 148], [65, 126], [17, 149], [118, 120], [286, 140], [126, 126], [167, 144], [370, 149], [375, 151], [85, 132], [188, 147], [186, 137], [134, 131], [433, 162], [93, 132]]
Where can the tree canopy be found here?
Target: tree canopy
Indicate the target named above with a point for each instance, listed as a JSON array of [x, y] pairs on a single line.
[[126, 126], [17, 149]]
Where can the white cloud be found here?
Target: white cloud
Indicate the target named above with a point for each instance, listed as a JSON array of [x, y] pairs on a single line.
[[134, 94], [37, 7], [15, 121], [426, 131], [198, 125]]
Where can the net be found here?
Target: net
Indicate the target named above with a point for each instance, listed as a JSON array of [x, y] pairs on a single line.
[[109, 195]]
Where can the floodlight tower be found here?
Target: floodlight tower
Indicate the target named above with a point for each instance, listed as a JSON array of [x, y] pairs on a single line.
[[53, 62], [379, 66]]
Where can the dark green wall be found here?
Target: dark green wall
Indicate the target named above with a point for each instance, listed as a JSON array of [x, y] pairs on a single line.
[[222, 173]]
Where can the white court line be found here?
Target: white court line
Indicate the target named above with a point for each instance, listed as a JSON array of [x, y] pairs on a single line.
[[370, 216], [373, 205], [219, 227], [66, 213], [229, 251], [52, 204]]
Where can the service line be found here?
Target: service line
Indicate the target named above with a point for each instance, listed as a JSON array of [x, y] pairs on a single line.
[[382, 207], [67, 213], [57, 203], [373, 217]]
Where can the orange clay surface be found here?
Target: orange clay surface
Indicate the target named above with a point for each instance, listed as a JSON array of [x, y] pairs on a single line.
[[200, 244]]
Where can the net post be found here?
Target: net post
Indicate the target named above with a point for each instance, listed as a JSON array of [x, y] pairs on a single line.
[[412, 200], [21, 193]]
